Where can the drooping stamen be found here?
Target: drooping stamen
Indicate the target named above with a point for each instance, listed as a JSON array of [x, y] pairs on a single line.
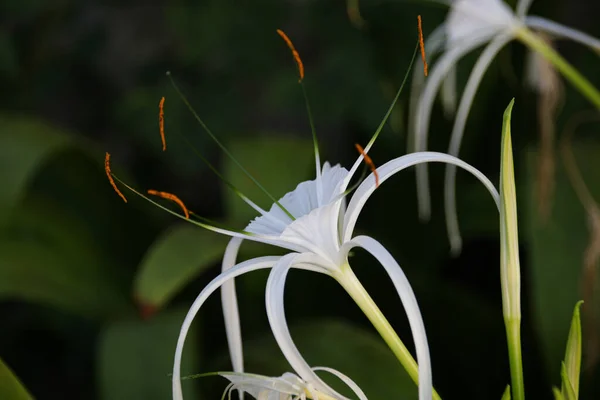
[[173, 198], [369, 162], [294, 53], [224, 149], [110, 178], [422, 44], [161, 122], [308, 111]]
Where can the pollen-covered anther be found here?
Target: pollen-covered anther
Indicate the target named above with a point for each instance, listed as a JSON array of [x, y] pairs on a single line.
[[294, 53], [422, 44], [369, 162], [173, 198], [110, 178], [161, 122]]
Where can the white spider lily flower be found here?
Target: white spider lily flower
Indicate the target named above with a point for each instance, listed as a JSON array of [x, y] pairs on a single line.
[[469, 25], [285, 387], [319, 238]]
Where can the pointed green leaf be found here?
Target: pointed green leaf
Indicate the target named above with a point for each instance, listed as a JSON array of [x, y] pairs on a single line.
[[573, 353], [26, 145], [557, 394], [278, 162], [135, 358], [506, 394], [173, 260], [10, 386], [509, 239], [567, 387], [358, 353]]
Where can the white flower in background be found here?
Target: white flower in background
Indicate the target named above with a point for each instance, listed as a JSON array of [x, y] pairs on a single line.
[[285, 387], [470, 24]]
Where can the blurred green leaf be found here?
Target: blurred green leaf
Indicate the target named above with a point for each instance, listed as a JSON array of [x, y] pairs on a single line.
[[27, 144], [573, 353], [10, 386], [176, 258], [506, 394], [278, 163], [568, 392], [135, 358], [557, 249], [47, 255], [557, 394], [358, 353]]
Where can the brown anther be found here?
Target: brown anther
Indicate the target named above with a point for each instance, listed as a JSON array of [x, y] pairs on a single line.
[[422, 44], [294, 53], [173, 198], [110, 178], [369, 162], [161, 122]]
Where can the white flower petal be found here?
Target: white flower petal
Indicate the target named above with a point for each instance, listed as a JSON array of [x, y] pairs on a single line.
[[466, 102], [480, 19], [276, 314], [242, 268], [423, 113], [411, 307], [448, 93], [523, 8], [349, 382], [257, 385], [367, 187], [562, 31], [301, 201], [230, 307]]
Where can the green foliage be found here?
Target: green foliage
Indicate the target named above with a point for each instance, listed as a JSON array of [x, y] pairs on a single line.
[[572, 362], [10, 387]]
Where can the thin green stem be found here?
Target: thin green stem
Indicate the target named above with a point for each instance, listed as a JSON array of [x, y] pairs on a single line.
[[362, 298], [513, 337], [580, 82]]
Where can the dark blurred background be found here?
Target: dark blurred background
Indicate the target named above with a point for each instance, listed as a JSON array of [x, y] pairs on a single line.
[[93, 290]]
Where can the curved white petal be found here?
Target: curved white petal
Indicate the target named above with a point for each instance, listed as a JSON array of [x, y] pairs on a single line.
[[562, 31], [411, 307], [367, 187], [423, 113], [230, 307], [242, 268], [276, 314], [523, 8], [481, 19], [448, 93], [466, 102], [344, 378], [256, 385]]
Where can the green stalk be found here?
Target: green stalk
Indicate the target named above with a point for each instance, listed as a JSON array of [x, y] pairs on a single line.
[[513, 337], [580, 82], [361, 297]]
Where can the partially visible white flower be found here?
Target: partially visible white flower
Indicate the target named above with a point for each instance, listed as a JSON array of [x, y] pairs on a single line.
[[285, 387], [469, 24]]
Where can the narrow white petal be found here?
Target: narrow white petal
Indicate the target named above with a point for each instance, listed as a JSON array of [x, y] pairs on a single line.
[[411, 307], [242, 268], [439, 71], [230, 309], [448, 93], [367, 187], [276, 314], [464, 107], [349, 382], [523, 8], [562, 31]]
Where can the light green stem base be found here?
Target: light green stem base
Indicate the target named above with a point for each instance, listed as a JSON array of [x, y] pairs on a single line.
[[359, 294], [580, 82], [513, 337]]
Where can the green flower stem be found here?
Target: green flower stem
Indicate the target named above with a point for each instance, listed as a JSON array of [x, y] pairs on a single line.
[[513, 336], [356, 290], [584, 86]]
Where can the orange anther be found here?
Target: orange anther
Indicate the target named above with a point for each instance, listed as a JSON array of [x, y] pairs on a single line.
[[110, 178], [294, 53], [422, 44], [161, 122], [369, 162], [173, 198]]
